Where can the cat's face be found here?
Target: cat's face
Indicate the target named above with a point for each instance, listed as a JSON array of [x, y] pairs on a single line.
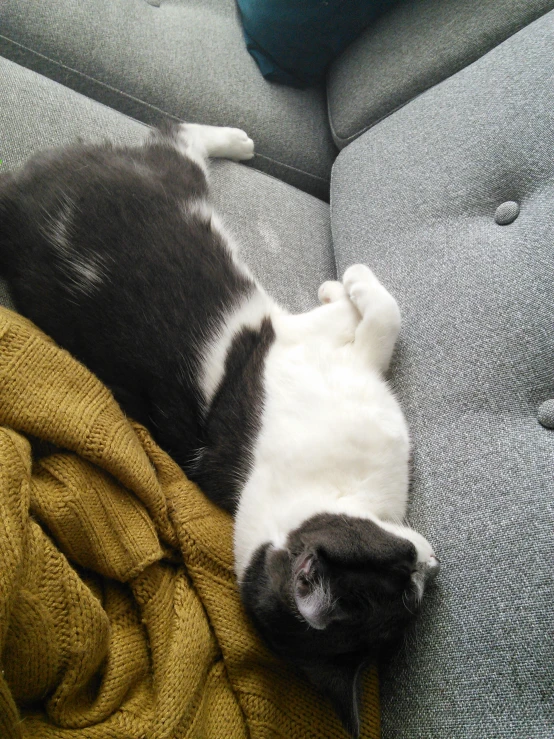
[[341, 590]]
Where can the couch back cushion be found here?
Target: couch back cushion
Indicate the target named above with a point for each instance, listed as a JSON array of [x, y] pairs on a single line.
[[184, 60], [415, 45], [451, 202]]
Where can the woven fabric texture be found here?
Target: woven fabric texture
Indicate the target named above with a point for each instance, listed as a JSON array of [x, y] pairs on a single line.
[[416, 198], [283, 233], [413, 47], [119, 612], [181, 60]]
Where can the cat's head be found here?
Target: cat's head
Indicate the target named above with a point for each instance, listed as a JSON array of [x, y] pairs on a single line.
[[340, 591]]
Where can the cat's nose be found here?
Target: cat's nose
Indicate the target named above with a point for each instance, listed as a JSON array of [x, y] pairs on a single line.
[[432, 567]]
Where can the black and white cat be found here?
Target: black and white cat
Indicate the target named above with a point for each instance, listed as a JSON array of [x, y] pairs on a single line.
[[284, 420]]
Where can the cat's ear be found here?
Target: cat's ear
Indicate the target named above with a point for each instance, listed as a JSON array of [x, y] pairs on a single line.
[[312, 592], [314, 606], [342, 684]]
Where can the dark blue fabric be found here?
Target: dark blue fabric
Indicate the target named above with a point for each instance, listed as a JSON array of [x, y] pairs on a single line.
[[294, 41]]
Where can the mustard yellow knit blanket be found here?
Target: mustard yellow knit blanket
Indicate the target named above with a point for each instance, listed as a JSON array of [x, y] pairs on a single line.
[[119, 613]]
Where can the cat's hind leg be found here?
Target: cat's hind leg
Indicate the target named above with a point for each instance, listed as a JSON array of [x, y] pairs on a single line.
[[199, 142], [334, 321], [377, 332]]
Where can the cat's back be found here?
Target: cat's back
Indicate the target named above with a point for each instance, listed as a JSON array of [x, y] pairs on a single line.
[[118, 244]]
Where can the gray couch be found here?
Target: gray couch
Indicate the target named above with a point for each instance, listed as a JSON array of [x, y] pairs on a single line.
[[444, 114]]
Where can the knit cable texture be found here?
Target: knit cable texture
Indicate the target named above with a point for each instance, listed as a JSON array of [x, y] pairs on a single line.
[[119, 612]]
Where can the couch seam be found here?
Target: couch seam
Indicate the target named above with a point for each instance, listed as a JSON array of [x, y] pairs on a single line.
[[276, 179], [333, 252], [294, 169], [343, 142], [88, 77], [135, 99]]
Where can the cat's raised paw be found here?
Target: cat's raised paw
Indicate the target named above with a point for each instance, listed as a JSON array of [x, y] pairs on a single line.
[[359, 283], [371, 298], [358, 273]]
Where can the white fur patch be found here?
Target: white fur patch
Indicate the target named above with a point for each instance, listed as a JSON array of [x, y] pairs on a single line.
[[198, 209], [86, 271], [57, 228], [202, 210], [83, 274], [198, 142], [249, 314]]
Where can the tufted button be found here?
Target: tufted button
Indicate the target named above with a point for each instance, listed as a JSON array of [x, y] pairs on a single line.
[[506, 213], [546, 414]]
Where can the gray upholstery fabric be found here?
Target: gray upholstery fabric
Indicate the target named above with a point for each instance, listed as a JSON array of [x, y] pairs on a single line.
[[36, 113], [415, 198], [413, 47], [183, 60], [284, 233]]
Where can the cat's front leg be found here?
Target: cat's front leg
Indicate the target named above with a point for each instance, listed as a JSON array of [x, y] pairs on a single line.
[[199, 142], [378, 329]]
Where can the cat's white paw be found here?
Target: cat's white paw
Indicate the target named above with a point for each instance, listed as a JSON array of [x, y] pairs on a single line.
[[369, 295], [331, 291], [237, 145], [359, 283], [198, 141]]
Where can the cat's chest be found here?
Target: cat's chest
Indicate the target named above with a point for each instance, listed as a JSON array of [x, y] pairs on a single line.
[[331, 412]]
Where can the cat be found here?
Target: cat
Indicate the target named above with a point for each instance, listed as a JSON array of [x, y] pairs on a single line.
[[286, 421]]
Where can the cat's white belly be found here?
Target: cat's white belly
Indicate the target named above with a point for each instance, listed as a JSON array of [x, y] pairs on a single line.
[[333, 439]]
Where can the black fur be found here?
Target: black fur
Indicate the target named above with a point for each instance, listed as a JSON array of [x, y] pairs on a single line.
[[165, 278], [368, 572], [240, 396]]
